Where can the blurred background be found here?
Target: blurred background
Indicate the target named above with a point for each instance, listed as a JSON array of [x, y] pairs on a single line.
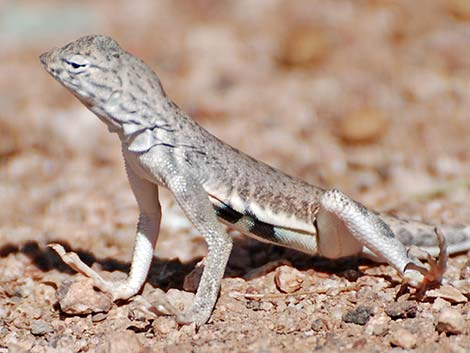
[[371, 96]]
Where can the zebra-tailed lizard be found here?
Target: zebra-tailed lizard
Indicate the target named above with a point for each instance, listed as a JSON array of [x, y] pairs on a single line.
[[213, 182]]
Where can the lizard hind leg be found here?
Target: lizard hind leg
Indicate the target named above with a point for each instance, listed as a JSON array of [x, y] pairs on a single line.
[[346, 228]]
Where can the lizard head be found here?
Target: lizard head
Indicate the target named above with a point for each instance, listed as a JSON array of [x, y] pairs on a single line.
[[112, 83], [86, 67]]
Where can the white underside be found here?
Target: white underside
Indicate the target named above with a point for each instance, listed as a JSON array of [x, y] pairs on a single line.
[[334, 238]]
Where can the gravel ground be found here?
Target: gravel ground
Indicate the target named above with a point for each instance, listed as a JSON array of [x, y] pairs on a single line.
[[372, 97]]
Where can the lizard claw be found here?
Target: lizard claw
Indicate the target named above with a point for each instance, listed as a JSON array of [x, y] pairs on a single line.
[[437, 268], [118, 290], [74, 262], [159, 305]]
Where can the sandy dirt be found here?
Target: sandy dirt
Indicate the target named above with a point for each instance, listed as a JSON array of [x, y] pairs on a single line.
[[372, 97]]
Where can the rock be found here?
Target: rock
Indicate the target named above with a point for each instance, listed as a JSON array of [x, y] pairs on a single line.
[[460, 9], [40, 327], [451, 321], [360, 343], [439, 304], [15, 343], [359, 315], [449, 293], [99, 317], [288, 279], [319, 325], [286, 325], [122, 342], [401, 310], [363, 125], [79, 297], [377, 326], [181, 300], [403, 338], [305, 46], [465, 271], [4, 311], [164, 325], [266, 306]]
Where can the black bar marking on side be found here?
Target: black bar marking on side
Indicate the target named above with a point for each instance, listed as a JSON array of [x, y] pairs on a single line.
[[227, 213], [248, 222], [263, 230]]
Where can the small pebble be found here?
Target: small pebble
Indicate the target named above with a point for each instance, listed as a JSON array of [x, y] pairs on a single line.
[[40, 327], [79, 297], [439, 304], [460, 9], [360, 343], [449, 293], [305, 46], [4, 311], [465, 271], [181, 300], [319, 325], [378, 326], [401, 310], [403, 338], [99, 317], [164, 325], [363, 125], [266, 306], [359, 315], [288, 279], [122, 342], [286, 325], [451, 321]]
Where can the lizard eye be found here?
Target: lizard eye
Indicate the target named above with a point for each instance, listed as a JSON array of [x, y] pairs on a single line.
[[76, 64]]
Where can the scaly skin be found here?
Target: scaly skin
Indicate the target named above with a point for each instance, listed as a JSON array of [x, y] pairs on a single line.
[[212, 182]]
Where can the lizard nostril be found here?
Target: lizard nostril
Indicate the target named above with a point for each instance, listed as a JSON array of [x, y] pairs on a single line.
[[45, 59]]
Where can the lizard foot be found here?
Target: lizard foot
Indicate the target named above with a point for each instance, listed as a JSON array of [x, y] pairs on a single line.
[[118, 290], [198, 317], [437, 268], [158, 305]]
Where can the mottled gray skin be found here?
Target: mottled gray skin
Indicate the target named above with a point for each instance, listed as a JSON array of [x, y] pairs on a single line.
[[210, 179]]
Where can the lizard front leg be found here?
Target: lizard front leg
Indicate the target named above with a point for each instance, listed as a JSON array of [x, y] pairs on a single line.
[[146, 194], [194, 201], [346, 228]]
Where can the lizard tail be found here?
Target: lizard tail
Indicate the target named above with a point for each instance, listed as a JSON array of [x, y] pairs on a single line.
[[422, 235]]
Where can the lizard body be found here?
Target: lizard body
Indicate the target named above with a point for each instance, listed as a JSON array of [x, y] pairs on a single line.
[[212, 182]]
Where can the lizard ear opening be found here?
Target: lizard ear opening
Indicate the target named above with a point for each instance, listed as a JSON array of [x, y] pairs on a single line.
[[143, 142]]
